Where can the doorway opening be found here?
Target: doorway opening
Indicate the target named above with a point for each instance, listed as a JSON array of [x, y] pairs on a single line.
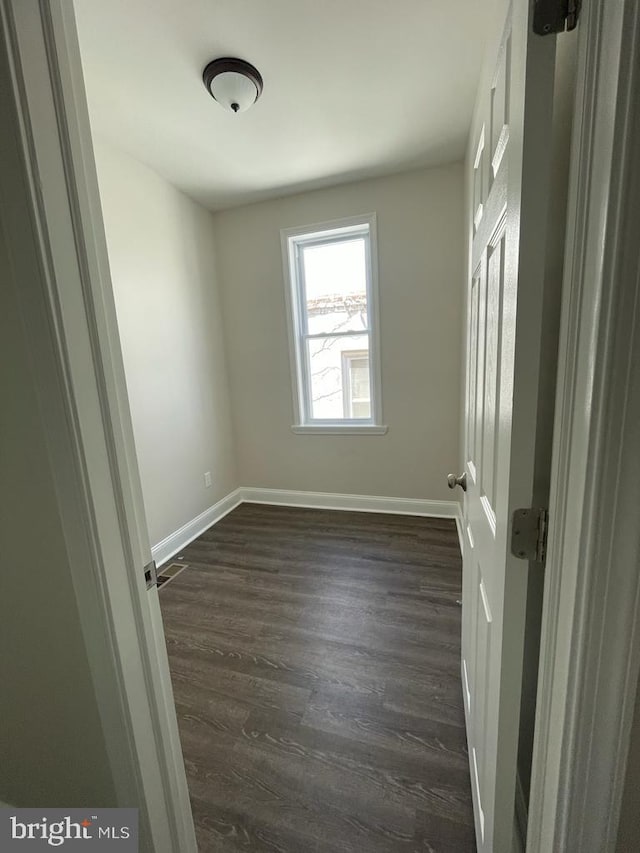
[[242, 427]]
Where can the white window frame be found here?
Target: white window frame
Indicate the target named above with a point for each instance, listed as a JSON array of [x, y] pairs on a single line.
[[323, 233]]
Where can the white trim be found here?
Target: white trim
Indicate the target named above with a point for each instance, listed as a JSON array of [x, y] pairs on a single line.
[[342, 429], [351, 503], [460, 528], [328, 227], [589, 657], [183, 536], [61, 280], [180, 538], [297, 358]]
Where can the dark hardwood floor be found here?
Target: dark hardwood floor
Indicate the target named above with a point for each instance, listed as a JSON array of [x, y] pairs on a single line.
[[315, 659]]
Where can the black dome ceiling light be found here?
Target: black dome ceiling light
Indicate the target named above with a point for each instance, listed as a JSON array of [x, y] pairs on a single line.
[[233, 83]]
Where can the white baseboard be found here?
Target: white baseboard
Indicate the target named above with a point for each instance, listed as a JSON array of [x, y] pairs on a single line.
[[175, 542], [354, 503], [179, 539]]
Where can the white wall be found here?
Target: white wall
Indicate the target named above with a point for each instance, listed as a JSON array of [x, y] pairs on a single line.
[[52, 749], [163, 267], [420, 239]]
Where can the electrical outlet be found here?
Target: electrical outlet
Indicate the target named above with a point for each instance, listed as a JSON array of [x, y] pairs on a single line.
[[207, 479]]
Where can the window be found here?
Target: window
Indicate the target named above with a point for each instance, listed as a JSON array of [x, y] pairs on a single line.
[[331, 274]]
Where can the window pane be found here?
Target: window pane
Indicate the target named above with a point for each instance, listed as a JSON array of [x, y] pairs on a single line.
[[361, 410], [356, 383], [340, 385], [359, 377], [335, 276]]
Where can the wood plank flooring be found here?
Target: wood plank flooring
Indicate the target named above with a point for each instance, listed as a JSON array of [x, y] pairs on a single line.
[[315, 659]]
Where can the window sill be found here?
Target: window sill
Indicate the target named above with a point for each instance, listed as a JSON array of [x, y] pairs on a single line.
[[338, 429]]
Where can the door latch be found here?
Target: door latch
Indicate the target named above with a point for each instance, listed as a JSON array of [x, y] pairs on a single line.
[[151, 574], [555, 16]]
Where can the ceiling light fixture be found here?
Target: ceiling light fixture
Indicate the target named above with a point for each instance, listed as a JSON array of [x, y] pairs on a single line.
[[233, 83]]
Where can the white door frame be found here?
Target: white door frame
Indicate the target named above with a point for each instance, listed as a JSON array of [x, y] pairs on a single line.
[[590, 652], [592, 588], [52, 221]]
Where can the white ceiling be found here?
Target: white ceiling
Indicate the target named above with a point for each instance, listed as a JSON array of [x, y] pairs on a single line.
[[352, 88]]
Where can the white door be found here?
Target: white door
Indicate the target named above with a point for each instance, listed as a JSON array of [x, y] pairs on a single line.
[[508, 194]]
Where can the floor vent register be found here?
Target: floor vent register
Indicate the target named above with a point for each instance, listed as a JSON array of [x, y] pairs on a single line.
[[169, 572]]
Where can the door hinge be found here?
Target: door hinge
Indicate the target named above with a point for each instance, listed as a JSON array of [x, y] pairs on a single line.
[[529, 534], [151, 574], [555, 16]]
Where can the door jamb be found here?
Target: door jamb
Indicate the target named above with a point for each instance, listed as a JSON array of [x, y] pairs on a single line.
[[590, 655], [52, 221]]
